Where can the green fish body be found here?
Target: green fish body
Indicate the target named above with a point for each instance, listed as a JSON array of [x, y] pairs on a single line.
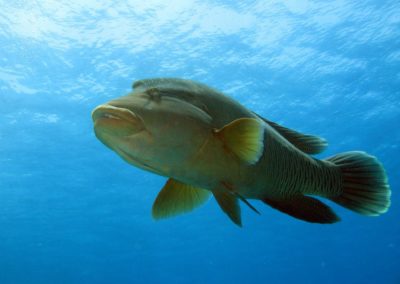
[[208, 144]]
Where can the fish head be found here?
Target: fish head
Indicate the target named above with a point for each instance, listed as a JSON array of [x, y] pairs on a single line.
[[151, 130]]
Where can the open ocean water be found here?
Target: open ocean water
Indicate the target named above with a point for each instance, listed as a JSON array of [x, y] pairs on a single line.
[[72, 211]]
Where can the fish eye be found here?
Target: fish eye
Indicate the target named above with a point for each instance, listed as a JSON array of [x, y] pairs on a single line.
[[154, 94]]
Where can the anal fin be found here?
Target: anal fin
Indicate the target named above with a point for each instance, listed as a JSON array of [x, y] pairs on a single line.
[[305, 208]]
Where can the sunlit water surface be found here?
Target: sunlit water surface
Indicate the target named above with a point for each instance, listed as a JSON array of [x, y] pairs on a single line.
[[71, 211]]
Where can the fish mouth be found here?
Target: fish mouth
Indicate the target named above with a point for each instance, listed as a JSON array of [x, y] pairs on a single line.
[[116, 121], [112, 112]]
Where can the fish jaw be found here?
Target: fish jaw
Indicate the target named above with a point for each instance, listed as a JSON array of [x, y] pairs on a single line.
[[116, 121]]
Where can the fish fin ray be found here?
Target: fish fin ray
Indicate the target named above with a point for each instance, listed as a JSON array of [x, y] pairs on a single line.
[[245, 138], [245, 201], [177, 198], [307, 143], [305, 208], [365, 187], [230, 205]]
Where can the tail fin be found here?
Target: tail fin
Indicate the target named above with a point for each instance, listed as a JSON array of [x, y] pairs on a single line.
[[365, 187]]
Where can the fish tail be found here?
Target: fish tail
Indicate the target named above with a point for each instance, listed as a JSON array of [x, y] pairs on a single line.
[[364, 184]]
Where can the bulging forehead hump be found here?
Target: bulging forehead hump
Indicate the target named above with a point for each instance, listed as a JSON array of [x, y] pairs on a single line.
[[221, 108], [185, 90]]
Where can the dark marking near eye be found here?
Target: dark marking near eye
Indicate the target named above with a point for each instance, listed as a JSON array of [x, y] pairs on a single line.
[[154, 94]]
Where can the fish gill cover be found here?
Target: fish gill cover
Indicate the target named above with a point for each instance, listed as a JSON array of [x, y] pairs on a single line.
[[71, 211]]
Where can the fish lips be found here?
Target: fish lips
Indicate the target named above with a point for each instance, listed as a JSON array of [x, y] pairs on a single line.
[[116, 121]]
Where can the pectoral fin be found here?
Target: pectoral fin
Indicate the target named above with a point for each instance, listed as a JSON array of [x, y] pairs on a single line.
[[230, 205], [245, 138], [177, 198]]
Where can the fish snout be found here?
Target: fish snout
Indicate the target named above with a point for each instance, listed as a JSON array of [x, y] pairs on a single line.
[[116, 121]]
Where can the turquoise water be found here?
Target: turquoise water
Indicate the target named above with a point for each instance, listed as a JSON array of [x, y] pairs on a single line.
[[71, 211]]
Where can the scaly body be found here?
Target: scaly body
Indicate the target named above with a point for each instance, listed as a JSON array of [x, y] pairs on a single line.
[[206, 142]]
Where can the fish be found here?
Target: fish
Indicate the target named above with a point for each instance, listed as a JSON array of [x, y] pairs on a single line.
[[208, 144]]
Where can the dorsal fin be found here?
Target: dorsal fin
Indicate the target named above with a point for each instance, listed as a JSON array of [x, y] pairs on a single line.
[[309, 144]]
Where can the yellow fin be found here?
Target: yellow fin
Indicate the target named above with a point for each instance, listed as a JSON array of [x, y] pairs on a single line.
[[177, 198], [230, 205], [245, 138]]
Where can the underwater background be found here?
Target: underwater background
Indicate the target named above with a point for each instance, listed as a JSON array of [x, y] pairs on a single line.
[[72, 211]]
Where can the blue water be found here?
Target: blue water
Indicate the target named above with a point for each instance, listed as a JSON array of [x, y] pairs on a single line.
[[72, 211]]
